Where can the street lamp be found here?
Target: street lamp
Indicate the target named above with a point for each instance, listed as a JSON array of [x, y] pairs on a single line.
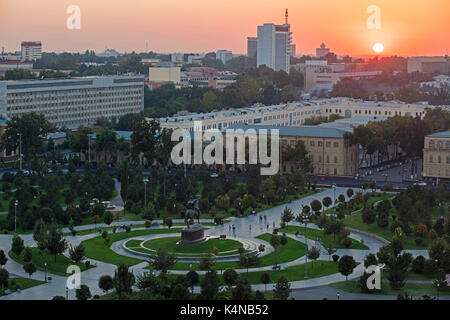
[[334, 198], [20, 150], [45, 270], [145, 192], [89, 146], [16, 203], [338, 295], [305, 220]]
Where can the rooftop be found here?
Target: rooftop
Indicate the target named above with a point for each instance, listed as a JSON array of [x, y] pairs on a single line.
[[445, 134], [300, 131]]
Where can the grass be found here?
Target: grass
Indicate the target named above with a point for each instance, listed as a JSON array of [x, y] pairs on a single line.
[[170, 243], [414, 289], [21, 283], [57, 267], [97, 249], [291, 251], [327, 239]]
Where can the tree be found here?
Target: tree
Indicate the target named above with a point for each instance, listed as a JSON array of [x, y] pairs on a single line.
[[27, 254], [33, 127], [316, 206], [209, 287], [168, 221], [368, 215], [207, 262], [287, 216], [29, 268], [96, 219], [282, 289], [349, 193], [40, 233], [440, 283], [265, 278], [438, 249], [313, 254], [4, 276], [108, 217], [83, 293], [162, 261], [248, 260], [275, 242], [17, 245], [327, 201], [123, 280], [230, 277], [242, 290], [77, 253], [371, 260], [106, 283], [193, 279], [3, 258], [55, 242], [346, 265]]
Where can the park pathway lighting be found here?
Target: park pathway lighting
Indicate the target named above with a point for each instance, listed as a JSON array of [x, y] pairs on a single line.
[[145, 192], [305, 220], [45, 270], [16, 203]]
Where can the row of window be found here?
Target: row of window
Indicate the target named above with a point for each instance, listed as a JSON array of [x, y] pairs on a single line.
[[439, 144], [312, 143], [439, 159]]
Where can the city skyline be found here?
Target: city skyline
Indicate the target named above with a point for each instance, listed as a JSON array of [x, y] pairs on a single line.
[[409, 28]]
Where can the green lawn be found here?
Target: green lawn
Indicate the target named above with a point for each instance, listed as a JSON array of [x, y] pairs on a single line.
[[291, 251], [97, 249], [327, 239], [57, 267], [414, 289], [22, 283], [170, 243]]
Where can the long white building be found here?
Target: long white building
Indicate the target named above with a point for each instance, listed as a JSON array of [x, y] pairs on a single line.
[[295, 113], [75, 101]]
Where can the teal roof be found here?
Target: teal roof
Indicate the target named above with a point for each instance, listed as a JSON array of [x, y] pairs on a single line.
[[445, 134], [3, 121], [120, 134], [300, 131]]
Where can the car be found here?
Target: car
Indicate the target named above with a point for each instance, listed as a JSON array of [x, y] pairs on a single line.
[[214, 175], [420, 183]]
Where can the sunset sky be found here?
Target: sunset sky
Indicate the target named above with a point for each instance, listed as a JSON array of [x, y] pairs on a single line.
[[409, 27]]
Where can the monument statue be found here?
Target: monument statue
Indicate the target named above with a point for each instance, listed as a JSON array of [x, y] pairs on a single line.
[[192, 211], [195, 234]]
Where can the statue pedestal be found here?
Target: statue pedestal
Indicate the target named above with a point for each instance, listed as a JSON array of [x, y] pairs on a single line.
[[192, 235]]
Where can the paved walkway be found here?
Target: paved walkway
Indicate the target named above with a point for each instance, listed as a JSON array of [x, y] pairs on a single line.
[[242, 230]]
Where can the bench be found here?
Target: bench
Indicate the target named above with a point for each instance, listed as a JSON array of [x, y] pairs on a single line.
[[223, 236]]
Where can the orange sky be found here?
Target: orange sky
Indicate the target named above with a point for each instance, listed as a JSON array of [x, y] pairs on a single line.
[[409, 27]]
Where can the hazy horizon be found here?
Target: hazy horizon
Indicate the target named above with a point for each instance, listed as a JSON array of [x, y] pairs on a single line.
[[409, 27]]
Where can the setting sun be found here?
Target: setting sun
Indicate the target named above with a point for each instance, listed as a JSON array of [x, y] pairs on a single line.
[[378, 47]]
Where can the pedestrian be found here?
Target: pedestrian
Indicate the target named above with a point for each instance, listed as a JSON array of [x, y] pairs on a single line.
[[267, 226], [274, 224], [250, 227]]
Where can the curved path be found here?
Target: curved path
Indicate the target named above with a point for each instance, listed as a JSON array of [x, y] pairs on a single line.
[[245, 228]]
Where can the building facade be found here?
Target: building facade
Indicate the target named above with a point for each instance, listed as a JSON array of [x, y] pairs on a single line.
[[224, 55], [436, 155], [31, 50], [428, 64], [322, 51], [327, 148], [252, 46], [164, 73], [73, 102], [273, 46]]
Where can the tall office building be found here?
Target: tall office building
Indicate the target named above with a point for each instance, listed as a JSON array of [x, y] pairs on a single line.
[[31, 50], [252, 46], [293, 49], [274, 46]]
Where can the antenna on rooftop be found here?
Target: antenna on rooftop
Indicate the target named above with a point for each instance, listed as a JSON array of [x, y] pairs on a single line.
[[286, 15]]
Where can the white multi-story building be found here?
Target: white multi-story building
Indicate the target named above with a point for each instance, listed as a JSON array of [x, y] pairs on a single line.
[[252, 46], [224, 55], [73, 102], [273, 46], [31, 50], [295, 113]]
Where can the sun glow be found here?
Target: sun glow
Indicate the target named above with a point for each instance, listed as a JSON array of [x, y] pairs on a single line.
[[378, 47]]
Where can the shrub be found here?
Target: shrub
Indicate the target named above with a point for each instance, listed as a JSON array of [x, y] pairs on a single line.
[[147, 223], [347, 242], [104, 234], [430, 268], [418, 264], [421, 230], [335, 257], [87, 263]]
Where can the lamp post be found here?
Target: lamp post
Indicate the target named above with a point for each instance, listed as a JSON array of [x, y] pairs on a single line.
[[89, 146], [334, 198], [16, 203], [338, 295], [145, 192], [305, 220], [45, 270], [67, 293], [20, 150]]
